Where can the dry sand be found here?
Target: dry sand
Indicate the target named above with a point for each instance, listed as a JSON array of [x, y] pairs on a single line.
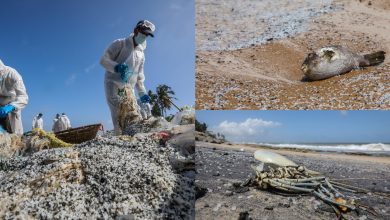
[[249, 56], [220, 166]]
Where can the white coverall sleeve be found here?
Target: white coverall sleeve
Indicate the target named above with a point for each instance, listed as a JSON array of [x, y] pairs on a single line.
[[140, 80], [21, 99], [108, 58]]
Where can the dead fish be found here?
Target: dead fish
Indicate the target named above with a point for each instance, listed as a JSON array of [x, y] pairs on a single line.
[[335, 60]]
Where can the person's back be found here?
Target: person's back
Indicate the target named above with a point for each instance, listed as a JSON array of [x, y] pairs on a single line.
[[66, 121], [62, 123], [38, 121]]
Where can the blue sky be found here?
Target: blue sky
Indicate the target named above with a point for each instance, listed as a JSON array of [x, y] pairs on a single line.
[[56, 47], [300, 126]]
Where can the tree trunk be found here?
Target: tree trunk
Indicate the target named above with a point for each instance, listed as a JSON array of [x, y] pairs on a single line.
[[175, 105]]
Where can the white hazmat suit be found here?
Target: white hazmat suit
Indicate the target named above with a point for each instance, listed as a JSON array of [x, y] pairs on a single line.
[[122, 51], [13, 91], [65, 120], [37, 122], [56, 125], [63, 123]]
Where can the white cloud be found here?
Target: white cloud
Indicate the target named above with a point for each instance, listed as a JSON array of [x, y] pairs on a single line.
[[344, 113], [70, 80], [90, 67], [251, 127]]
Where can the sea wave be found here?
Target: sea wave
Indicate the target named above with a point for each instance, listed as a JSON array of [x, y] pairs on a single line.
[[380, 148]]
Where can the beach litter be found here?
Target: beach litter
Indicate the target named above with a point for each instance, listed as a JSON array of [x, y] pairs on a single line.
[[153, 124], [278, 173], [127, 112], [9, 144], [40, 139], [187, 116], [99, 179], [139, 176], [33, 141]]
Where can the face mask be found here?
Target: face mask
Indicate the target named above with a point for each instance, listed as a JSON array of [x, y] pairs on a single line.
[[140, 38]]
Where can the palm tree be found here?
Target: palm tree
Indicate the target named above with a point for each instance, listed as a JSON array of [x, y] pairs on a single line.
[[201, 127], [164, 98], [153, 97], [156, 111]]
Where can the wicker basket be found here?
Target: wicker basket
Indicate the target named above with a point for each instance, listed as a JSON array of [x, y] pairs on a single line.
[[80, 134]]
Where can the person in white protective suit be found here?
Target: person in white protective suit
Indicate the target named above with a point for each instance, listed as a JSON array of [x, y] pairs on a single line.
[[65, 120], [13, 98], [38, 121], [124, 63], [56, 124], [63, 123]]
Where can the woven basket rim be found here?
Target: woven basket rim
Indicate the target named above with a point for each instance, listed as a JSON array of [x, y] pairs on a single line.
[[78, 129]]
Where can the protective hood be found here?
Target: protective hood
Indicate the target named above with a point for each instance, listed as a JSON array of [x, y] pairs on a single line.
[[2, 66], [141, 46]]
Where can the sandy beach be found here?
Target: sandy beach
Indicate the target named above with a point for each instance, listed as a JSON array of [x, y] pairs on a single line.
[[220, 167], [249, 55]]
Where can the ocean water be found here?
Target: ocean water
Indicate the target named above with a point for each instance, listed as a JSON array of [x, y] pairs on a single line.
[[360, 148]]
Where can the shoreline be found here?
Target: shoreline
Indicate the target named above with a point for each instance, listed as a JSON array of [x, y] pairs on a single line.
[[301, 152], [347, 152]]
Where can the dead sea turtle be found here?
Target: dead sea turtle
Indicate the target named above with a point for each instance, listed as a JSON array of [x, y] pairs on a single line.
[[335, 60], [279, 173]]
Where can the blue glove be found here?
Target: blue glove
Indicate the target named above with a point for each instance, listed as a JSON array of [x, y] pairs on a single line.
[[145, 99], [125, 76], [123, 69], [5, 110]]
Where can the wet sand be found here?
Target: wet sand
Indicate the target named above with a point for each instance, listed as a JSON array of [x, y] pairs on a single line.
[[233, 73], [221, 166]]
